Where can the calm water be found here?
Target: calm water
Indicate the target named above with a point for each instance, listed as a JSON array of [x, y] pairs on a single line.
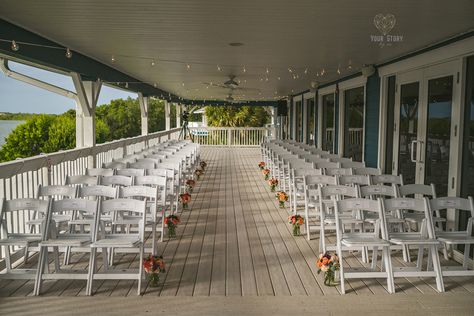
[[5, 128]]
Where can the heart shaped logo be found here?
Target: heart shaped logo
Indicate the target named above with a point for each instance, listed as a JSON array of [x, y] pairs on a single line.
[[384, 23]]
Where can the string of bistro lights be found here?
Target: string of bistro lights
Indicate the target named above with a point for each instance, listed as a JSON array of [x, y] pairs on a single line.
[[295, 73]]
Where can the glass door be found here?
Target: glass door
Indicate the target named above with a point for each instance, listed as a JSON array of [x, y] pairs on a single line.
[[423, 126], [405, 127]]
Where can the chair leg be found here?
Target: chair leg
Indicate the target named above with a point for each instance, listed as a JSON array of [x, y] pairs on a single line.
[[419, 261], [437, 268], [140, 270], [388, 269], [467, 250], [341, 271], [40, 271], [375, 253], [91, 272]]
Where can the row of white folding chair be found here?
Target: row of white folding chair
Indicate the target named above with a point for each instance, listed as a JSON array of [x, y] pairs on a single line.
[[158, 180], [97, 238]]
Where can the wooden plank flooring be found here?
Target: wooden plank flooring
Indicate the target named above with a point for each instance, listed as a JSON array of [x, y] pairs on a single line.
[[234, 241]]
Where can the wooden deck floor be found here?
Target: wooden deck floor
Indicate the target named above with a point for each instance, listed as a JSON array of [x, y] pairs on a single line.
[[234, 241]]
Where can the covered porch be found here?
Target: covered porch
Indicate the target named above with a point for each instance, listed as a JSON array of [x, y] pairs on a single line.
[[235, 253]]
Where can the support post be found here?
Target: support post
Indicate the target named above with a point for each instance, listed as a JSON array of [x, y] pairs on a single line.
[[167, 117], [143, 112], [274, 113], [87, 97], [178, 115]]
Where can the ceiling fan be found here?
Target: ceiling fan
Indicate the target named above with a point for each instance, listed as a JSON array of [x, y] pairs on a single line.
[[229, 84]]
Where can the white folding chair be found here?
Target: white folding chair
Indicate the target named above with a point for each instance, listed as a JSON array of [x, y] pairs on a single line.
[[71, 240], [131, 172], [100, 172], [14, 241], [312, 211], [327, 194], [456, 237], [127, 242], [115, 165], [425, 237], [116, 180], [355, 241]]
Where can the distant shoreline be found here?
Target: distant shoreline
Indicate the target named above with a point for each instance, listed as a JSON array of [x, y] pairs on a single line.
[[7, 116]]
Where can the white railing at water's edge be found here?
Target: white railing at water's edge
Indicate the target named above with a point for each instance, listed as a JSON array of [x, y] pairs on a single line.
[[20, 178]]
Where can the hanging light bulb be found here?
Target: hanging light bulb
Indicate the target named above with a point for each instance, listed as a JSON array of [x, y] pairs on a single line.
[[278, 78], [306, 71], [68, 53], [266, 78], [126, 85], [267, 71], [338, 71], [154, 85], [113, 58], [15, 46], [289, 70], [244, 70], [219, 68], [188, 66]]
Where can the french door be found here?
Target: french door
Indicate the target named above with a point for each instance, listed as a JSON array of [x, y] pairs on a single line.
[[425, 125]]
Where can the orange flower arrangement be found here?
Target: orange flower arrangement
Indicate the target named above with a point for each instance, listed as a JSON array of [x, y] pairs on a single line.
[[190, 183], [171, 221], [282, 197], [154, 265], [261, 165], [198, 173], [296, 221], [185, 198], [266, 173], [328, 264], [273, 183]]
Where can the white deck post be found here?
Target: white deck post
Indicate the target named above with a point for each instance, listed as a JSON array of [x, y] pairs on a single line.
[[167, 117], [178, 115], [274, 113], [143, 112], [87, 97]]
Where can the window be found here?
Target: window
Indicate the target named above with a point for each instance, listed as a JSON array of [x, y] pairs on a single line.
[[328, 122], [354, 123], [310, 120], [299, 121]]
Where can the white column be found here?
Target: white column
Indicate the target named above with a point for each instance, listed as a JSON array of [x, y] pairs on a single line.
[[87, 97], [274, 122], [167, 116], [86, 102], [143, 112], [178, 115]]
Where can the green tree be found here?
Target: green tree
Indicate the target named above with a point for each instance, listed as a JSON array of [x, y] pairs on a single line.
[[27, 139], [236, 116]]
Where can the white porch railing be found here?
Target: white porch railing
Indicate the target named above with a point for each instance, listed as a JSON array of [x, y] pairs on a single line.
[[230, 136], [20, 178]]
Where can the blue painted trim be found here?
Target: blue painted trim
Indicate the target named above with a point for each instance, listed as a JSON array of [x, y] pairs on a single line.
[[372, 110]]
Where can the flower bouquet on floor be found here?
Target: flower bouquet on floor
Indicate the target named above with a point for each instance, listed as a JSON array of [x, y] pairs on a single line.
[[203, 165], [273, 183], [172, 221], [266, 173], [198, 173], [296, 221], [261, 165], [282, 197], [153, 266], [185, 198], [329, 264], [190, 183]]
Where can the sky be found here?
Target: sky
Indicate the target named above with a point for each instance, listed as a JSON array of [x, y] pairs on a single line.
[[17, 96]]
